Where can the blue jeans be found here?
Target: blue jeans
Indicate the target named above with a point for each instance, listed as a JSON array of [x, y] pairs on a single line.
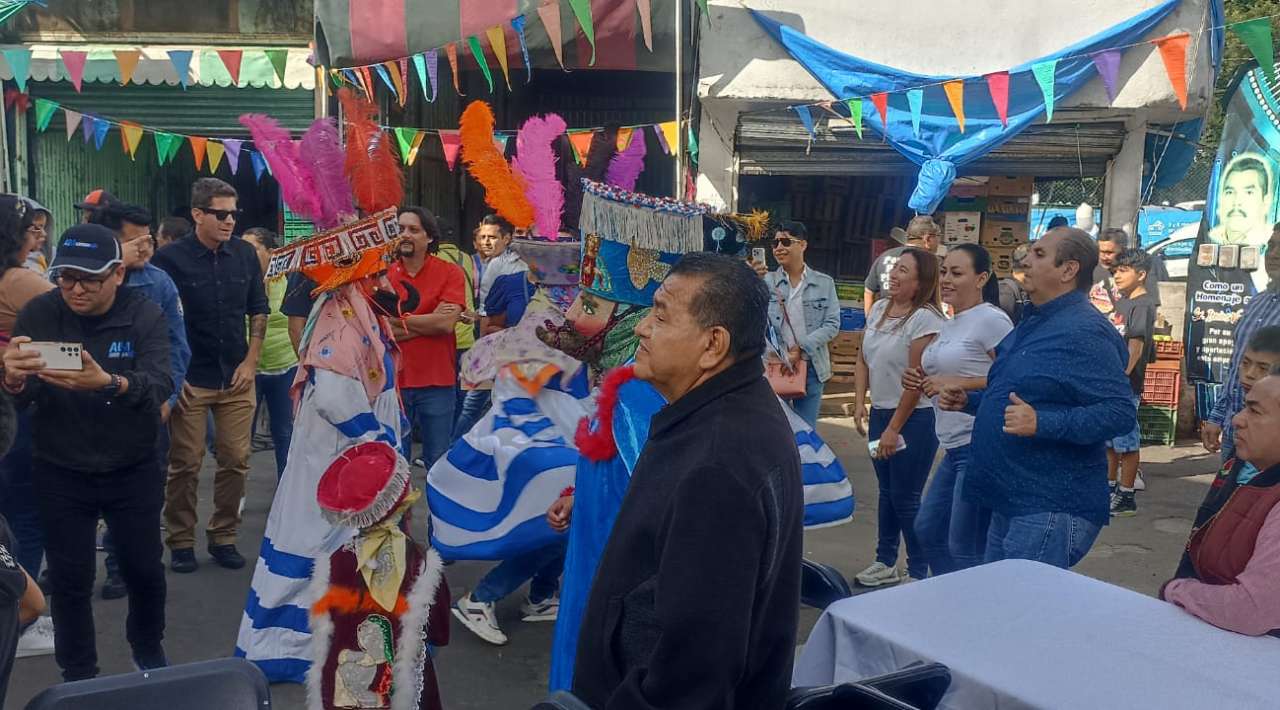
[[809, 405], [274, 390], [474, 405], [952, 531], [431, 410], [541, 568], [901, 478], [18, 498], [1058, 539]]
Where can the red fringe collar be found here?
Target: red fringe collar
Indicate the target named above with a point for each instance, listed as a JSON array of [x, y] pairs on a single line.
[[596, 443]]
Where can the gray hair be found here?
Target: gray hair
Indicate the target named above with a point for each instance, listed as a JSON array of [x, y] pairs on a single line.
[[1076, 245]]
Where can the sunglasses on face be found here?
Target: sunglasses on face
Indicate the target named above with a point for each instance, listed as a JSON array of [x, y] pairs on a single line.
[[222, 215], [786, 241]]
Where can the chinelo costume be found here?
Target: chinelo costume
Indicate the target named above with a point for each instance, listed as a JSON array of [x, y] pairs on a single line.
[[345, 391]]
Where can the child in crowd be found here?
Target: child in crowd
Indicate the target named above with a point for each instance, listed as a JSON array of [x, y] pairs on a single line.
[[1134, 316]]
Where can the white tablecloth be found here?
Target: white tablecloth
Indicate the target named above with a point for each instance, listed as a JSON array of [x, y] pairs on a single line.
[[1019, 634]]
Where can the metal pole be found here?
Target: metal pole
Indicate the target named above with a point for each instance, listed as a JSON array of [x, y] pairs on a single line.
[[679, 146]]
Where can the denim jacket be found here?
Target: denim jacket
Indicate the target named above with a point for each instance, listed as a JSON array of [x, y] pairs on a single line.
[[821, 315]]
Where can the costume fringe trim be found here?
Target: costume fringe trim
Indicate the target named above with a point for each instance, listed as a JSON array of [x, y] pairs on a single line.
[[597, 443], [321, 632], [383, 505], [408, 671], [639, 224]]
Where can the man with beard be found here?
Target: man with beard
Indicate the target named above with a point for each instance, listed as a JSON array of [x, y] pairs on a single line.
[[1244, 202], [426, 335]]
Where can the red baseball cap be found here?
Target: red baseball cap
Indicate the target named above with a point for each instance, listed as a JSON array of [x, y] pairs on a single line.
[[95, 199]]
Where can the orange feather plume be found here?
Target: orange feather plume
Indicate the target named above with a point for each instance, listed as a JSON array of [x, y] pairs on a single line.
[[370, 166], [503, 188]]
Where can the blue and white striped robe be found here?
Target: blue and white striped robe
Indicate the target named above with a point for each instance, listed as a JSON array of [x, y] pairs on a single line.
[[334, 415]]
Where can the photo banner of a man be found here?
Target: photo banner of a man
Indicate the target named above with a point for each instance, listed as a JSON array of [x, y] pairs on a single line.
[[1226, 268]]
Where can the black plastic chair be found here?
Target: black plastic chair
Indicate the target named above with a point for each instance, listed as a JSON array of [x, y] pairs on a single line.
[[916, 687], [223, 684], [820, 584]]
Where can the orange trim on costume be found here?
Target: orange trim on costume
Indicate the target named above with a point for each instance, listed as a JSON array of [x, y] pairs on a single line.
[[533, 385], [345, 600]]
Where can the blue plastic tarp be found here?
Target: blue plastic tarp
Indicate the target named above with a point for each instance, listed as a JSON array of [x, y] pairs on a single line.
[[940, 147]]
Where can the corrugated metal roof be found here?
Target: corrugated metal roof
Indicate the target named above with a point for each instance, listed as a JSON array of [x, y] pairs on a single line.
[[155, 67]]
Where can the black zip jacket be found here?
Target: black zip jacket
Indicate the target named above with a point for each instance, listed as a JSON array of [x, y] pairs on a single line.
[[696, 600], [87, 431]]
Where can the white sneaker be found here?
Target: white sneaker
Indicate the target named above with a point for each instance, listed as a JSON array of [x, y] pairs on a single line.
[[545, 610], [1138, 483], [878, 575], [419, 462], [479, 618], [37, 640]]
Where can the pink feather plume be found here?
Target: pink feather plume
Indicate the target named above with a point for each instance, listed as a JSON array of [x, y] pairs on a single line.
[[625, 168], [535, 161], [321, 152], [297, 184]]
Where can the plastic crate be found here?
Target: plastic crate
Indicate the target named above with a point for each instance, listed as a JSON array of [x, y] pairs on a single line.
[[1162, 387], [1157, 425], [1168, 349]]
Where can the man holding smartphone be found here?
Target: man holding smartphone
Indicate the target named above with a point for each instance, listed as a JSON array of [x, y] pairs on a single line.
[[94, 430]]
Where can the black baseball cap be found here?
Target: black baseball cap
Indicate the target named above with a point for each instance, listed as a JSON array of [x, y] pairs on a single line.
[[96, 199], [91, 248]]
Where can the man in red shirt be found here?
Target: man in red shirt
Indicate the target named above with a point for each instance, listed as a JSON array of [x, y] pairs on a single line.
[[426, 335]]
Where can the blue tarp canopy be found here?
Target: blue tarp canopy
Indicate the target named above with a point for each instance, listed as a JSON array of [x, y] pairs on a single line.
[[940, 146]]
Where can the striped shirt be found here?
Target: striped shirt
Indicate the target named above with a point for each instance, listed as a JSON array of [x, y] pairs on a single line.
[[1263, 310]]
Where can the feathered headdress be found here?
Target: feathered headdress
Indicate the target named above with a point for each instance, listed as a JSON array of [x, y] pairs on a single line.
[[625, 168], [504, 190], [370, 166], [297, 182], [321, 153], [535, 162]]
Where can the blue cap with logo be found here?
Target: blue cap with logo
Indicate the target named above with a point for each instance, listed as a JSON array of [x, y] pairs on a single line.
[[91, 248]]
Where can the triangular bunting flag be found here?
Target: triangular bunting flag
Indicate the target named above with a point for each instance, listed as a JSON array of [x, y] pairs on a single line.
[[955, 97], [74, 62], [409, 140], [998, 85], [386, 79], [450, 142], [181, 61], [402, 65], [581, 143], [806, 117], [174, 145], [452, 51], [1107, 62], [881, 102], [478, 52], [44, 113], [232, 147], [1045, 73], [366, 81], [669, 137], [549, 12], [693, 146], [259, 165], [518, 23], [915, 100], [398, 81], [131, 136], [646, 22], [624, 138], [73, 121], [198, 150], [855, 115], [279, 59], [702, 4], [582, 11], [420, 65], [127, 59], [100, 130], [1256, 35], [500, 140], [662, 138], [231, 60], [216, 152], [163, 140], [1173, 51], [88, 128], [498, 43], [20, 64]]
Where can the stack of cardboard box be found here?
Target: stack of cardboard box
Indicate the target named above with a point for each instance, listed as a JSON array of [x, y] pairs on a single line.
[[994, 212]]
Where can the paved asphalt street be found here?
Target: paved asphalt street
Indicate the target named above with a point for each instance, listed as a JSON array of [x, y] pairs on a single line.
[[204, 608]]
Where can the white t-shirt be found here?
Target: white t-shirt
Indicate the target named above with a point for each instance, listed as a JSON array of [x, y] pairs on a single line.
[[961, 350], [795, 311], [886, 350]]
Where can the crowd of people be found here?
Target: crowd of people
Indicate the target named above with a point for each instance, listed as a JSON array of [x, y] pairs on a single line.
[[181, 344]]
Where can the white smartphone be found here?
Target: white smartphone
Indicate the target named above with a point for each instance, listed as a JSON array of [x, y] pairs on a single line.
[[873, 445], [57, 356], [758, 255]]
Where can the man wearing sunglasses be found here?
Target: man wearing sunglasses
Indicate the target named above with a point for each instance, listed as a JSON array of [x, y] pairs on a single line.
[[220, 281], [93, 433]]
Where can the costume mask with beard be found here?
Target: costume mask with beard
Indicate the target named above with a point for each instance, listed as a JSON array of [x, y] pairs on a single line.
[[596, 331]]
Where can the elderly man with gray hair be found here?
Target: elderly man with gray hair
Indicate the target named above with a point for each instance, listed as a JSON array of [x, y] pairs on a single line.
[[1056, 393]]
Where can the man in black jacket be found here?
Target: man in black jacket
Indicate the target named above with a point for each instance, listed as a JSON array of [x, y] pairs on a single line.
[[696, 599], [94, 433]]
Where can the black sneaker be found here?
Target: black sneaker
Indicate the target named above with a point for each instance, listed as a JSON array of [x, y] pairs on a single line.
[[114, 587], [226, 556], [1124, 505], [183, 560], [147, 660]]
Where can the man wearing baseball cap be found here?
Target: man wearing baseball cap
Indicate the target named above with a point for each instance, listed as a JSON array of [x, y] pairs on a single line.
[[94, 429], [95, 200]]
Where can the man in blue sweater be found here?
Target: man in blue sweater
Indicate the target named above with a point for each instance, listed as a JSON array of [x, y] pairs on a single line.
[[1056, 393]]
